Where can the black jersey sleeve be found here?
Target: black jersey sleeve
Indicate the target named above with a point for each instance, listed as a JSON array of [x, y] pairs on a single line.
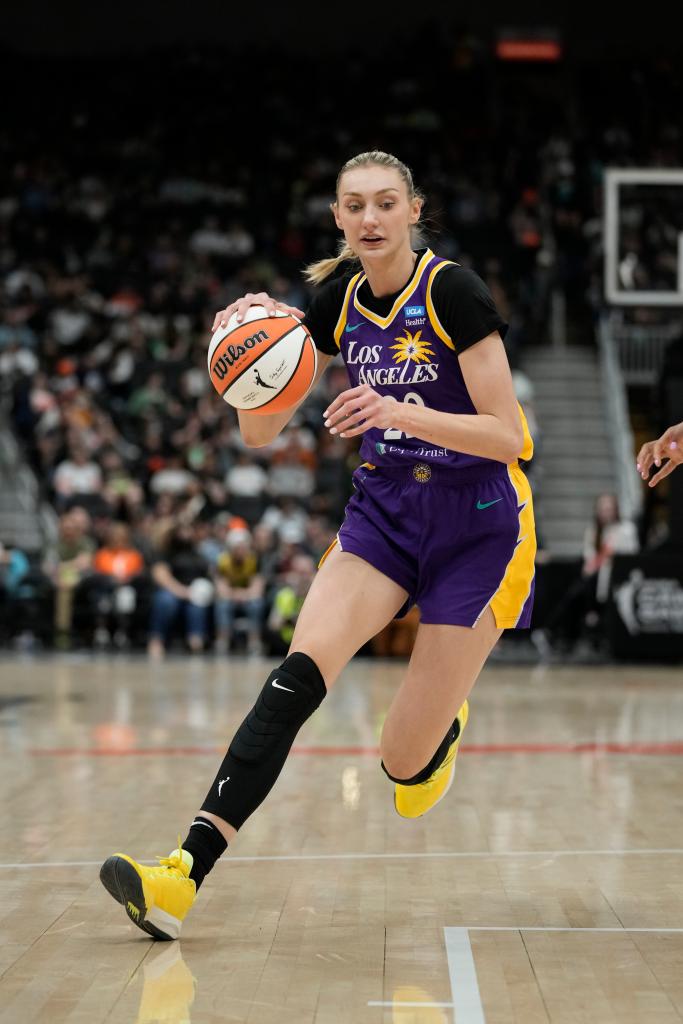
[[323, 312], [465, 307]]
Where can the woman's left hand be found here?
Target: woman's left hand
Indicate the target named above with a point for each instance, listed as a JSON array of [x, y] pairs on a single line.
[[668, 446], [358, 409]]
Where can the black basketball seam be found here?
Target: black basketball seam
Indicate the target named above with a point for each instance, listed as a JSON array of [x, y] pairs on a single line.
[[292, 375], [263, 320], [285, 335]]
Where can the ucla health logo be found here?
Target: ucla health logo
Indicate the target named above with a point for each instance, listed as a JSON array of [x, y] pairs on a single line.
[[416, 316]]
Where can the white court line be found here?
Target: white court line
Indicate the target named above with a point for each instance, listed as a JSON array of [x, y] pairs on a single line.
[[462, 971], [445, 855], [463, 977], [568, 928]]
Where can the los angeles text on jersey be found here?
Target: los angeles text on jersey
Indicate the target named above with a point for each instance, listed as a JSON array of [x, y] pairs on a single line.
[[365, 357]]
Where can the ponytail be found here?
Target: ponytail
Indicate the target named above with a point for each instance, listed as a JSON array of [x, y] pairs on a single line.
[[315, 273]]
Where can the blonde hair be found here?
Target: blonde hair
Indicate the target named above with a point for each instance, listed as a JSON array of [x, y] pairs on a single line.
[[315, 273]]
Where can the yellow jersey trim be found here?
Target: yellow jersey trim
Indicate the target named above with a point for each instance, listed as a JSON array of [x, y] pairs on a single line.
[[431, 312], [528, 446], [401, 300], [341, 322]]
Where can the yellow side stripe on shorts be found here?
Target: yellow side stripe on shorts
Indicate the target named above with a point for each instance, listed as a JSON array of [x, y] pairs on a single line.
[[332, 545], [509, 600]]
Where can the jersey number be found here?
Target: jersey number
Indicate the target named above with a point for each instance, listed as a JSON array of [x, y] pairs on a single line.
[[395, 435]]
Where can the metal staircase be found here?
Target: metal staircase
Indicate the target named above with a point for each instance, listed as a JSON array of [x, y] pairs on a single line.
[[25, 522], [575, 449]]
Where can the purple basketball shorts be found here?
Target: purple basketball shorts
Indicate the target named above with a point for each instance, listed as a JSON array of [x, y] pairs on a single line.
[[458, 541]]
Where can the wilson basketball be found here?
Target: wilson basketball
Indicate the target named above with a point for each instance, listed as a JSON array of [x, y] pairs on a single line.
[[265, 364]]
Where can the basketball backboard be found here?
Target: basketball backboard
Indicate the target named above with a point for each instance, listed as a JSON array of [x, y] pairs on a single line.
[[643, 236]]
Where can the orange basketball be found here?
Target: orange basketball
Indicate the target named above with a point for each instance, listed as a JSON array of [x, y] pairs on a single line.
[[265, 364]]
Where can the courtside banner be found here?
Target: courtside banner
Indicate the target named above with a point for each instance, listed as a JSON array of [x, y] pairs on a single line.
[[645, 607]]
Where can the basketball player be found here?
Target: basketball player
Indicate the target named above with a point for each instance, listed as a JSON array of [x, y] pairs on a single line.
[[441, 517], [668, 446]]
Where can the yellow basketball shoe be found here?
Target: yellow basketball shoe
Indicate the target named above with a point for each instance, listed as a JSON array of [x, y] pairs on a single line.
[[156, 898], [414, 801]]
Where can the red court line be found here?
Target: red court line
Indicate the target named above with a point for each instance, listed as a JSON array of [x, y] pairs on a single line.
[[663, 749]]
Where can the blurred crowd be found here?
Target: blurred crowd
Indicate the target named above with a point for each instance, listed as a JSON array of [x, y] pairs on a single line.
[[150, 198]]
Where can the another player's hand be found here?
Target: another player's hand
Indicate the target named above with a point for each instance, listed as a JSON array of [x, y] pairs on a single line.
[[668, 446], [240, 306], [356, 410]]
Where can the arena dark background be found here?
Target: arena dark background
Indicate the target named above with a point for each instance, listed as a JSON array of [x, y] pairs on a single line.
[[588, 30], [123, 106]]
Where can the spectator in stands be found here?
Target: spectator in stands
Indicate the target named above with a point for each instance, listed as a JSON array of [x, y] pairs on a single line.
[[183, 591], [292, 469], [608, 535], [116, 566], [120, 490], [582, 606], [14, 568], [320, 535], [239, 591], [172, 477], [265, 543], [286, 516], [246, 481], [288, 602], [67, 567], [77, 475], [332, 477], [210, 537]]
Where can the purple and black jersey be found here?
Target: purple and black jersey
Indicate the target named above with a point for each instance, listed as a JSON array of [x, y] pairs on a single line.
[[406, 347], [455, 531]]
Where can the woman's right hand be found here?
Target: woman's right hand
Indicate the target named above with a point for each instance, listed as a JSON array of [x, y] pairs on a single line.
[[240, 306]]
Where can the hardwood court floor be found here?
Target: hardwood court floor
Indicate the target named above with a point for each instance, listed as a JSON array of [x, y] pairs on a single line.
[[546, 887]]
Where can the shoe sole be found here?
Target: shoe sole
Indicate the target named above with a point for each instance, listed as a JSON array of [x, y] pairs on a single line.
[[122, 881], [412, 817]]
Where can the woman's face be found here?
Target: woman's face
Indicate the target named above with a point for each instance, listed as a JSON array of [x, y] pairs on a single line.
[[606, 508], [374, 212]]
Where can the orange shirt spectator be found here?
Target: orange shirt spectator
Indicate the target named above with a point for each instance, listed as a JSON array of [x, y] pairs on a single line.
[[118, 558]]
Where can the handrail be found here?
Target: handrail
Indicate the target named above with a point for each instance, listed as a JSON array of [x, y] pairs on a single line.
[[641, 347], [616, 403], [25, 486]]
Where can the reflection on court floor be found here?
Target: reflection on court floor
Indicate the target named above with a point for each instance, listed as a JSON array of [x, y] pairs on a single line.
[[544, 888]]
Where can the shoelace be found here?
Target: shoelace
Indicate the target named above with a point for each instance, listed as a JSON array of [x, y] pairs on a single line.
[[174, 860]]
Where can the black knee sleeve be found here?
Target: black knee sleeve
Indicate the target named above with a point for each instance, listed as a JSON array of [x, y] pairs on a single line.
[[422, 776], [261, 744]]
